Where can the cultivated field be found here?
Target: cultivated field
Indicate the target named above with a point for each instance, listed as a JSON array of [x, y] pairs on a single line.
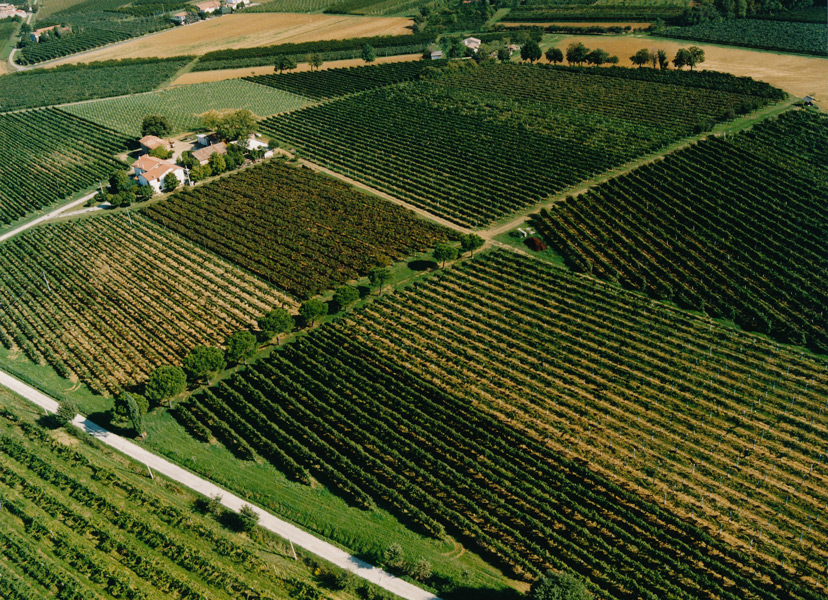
[[182, 105], [553, 421], [224, 74], [47, 155], [301, 231], [45, 87], [529, 130], [79, 521], [733, 227], [108, 299], [246, 31], [341, 82], [806, 38], [798, 75]]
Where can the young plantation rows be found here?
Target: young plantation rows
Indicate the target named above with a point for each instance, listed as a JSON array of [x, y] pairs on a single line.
[[481, 142], [300, 231], [47, 155], [109, 299], [553, 421], [73, 525], [804, 38], [183, 105], [734, 227], [330, 83], [72, 83], [545, 12]]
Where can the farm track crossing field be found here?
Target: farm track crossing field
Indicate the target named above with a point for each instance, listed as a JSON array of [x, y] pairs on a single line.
[[108, 299], [47, 155], [182, 105], [528, 131], [552, 420], [735, 227], [806, 38], [44, 87], [330, 83], [301, 231], [82, 522]]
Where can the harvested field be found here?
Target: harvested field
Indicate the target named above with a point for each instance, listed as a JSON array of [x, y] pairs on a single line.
[[224, 74], [247, 31], [798, 75]]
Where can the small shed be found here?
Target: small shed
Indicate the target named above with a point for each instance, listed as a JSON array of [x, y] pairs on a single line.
[[179, 18], [210, 6], [472, 43], [150, 143], [202, 155], [808, 100], [436, 55]]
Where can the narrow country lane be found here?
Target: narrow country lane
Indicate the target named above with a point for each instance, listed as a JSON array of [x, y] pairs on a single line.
[[286, 530]]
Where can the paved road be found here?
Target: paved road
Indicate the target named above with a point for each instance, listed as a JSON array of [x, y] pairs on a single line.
[[286, 530], [46, 217]]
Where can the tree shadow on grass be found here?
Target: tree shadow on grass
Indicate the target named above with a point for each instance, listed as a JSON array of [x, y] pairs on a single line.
[[422, 265]]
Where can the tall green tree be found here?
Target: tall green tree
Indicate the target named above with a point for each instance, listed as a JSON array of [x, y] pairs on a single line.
[[695, 56], [240, 346], [554, 55], [345, 296], [157, 125], [135, 416], [284, 63], [203, 360], [120, 406], [504, 55], [444, 252], [315, 61], [368, 54], [559, 586], [275, 322], [640, 58], [682, 58], [313, 309], [663, 61], [378, 277], [164, 383], [170, 182], [576, 53], [530, 51], [66, 412], [598, 57], [119, 181], [471, 242]]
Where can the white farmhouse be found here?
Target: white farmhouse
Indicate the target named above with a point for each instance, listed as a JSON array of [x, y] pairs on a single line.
[[151, 171], [210, 6], [472, 42]]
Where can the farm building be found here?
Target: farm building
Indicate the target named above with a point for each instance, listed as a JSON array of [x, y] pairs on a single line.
[[512, 48], [37, 33], [235, 4], [207, 139], [436, 55], [253, 144], [151, 171], [180, 18], [150, 143], [202, 155], [808, 100], [210, 6], [8, 11], [472, 42]]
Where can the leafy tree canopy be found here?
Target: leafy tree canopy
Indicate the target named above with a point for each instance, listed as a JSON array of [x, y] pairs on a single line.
[[203, 360], [559, 586], [157, 125], [165, 382]]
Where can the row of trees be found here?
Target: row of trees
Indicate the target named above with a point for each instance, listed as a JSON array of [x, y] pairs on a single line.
[[284, 62], [685, 57], [576, 54]]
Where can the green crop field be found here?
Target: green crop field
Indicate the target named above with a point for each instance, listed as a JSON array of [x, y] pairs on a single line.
[[331, 83], [182, 105], [288, 6], [301, 231], [805, 38], [47, 155], [72, 83], [93, 23], [733, 227], [478, 143], [81, 521], [108, 299], [550, 420]]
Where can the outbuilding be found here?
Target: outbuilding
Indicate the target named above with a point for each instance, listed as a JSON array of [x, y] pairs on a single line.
[[210, 6], [150, 143], [202, 155], [151, 171]]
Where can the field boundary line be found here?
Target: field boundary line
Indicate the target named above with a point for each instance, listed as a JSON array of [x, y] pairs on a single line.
[[198, 484]]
